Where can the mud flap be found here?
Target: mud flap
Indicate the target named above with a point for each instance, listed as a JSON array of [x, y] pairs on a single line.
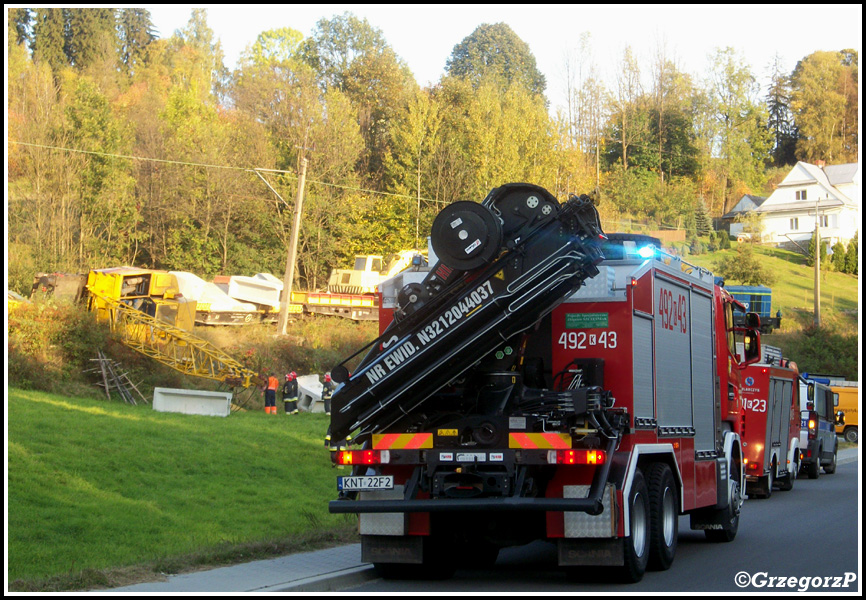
[[406, 549], [587, 552]]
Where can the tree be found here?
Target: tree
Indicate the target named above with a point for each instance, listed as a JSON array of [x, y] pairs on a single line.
[[839, 257], [628, 115], [18, 26], [197, 56], [744, 267], [824, 91], [851, 257], [135, 33], [108, 217], [495, 52], [90, 36], [781, 121], [349, 54], [741, 138], [49, 31], [703, 223], [824, 256], [336, 43], [583, 126]]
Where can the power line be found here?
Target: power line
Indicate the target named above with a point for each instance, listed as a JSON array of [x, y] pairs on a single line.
[[209, 166]]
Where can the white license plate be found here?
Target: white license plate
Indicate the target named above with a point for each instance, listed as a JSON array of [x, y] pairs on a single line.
[[365, 483]]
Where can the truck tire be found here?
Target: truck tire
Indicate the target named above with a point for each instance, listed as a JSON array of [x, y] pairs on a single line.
[[730, 515], [664, 517], [851, 435], [636, 547], [786, 484], [813, 469], [831, 468]]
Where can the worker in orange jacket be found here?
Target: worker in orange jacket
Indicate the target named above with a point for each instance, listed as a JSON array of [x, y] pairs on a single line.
[[271, 394]]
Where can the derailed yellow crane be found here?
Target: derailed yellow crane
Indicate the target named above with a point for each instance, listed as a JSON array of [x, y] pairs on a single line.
[[147, 310]]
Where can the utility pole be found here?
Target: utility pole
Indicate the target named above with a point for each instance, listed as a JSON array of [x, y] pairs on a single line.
[[293, 248], [817, 268]]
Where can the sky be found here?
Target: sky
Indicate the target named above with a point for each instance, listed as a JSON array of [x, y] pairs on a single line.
[[424, 35]]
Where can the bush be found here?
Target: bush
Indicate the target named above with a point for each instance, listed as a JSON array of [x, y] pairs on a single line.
[[50, 346], [744, 267]]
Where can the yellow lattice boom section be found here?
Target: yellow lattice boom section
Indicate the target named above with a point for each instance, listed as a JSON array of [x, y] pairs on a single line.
[[174, 347]]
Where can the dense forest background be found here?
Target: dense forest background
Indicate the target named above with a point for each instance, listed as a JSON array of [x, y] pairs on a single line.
[[128, 149]]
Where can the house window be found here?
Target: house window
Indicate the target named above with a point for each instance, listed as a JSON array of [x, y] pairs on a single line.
[[823, 221], [800, 194], [795, 224]]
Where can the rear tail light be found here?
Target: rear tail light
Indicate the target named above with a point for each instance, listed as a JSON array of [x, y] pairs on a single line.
[[576, 457], [813, 425], [363, 457]]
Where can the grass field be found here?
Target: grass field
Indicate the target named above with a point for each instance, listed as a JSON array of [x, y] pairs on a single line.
[[94, 486]]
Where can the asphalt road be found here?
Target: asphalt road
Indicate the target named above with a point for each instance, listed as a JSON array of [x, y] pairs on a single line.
[[806, 539]]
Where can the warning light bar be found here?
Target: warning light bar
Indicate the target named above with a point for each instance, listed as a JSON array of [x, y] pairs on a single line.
[[363, 457], [575, 457]]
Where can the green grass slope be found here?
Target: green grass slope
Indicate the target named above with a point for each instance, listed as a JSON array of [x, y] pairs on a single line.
[[794, 285], [94, 485]]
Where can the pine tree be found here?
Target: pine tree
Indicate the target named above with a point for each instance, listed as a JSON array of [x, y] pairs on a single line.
[[703, 224], [90, 35], [851, 266], [19, 25], [49, 34], [135, 32]]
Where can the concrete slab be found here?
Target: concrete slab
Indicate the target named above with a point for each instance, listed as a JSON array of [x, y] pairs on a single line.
[[192, 402]]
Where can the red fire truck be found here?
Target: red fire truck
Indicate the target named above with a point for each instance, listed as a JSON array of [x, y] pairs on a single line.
[[771, 436], [543, 381]]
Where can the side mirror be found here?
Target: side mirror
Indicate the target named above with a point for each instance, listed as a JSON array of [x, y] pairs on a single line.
[[751, 346], [753, 320], [840, 418], [810, 392]]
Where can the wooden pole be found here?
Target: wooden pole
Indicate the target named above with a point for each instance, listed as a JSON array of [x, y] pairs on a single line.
[[817, 268], [293, 248]]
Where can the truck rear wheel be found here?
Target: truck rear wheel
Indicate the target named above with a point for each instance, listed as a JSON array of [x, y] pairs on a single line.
[[787, 483], [851, 435], [813, 469], [664, 515], [636, 547], [831, 468]]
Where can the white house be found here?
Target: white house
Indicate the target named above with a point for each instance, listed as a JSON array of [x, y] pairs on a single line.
[[789, 212]]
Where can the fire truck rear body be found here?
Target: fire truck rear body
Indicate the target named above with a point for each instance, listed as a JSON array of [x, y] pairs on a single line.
[[772, 430]]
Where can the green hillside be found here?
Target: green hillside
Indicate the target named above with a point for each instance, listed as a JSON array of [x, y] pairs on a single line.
[[833, 348], [794, 285]]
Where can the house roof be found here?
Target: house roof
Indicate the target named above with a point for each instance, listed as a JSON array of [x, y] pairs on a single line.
[[805, 174], [840, 174], [746, 204]]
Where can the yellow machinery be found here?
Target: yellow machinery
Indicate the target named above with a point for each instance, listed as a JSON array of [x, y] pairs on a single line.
[[153, 318], [352, 293]]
